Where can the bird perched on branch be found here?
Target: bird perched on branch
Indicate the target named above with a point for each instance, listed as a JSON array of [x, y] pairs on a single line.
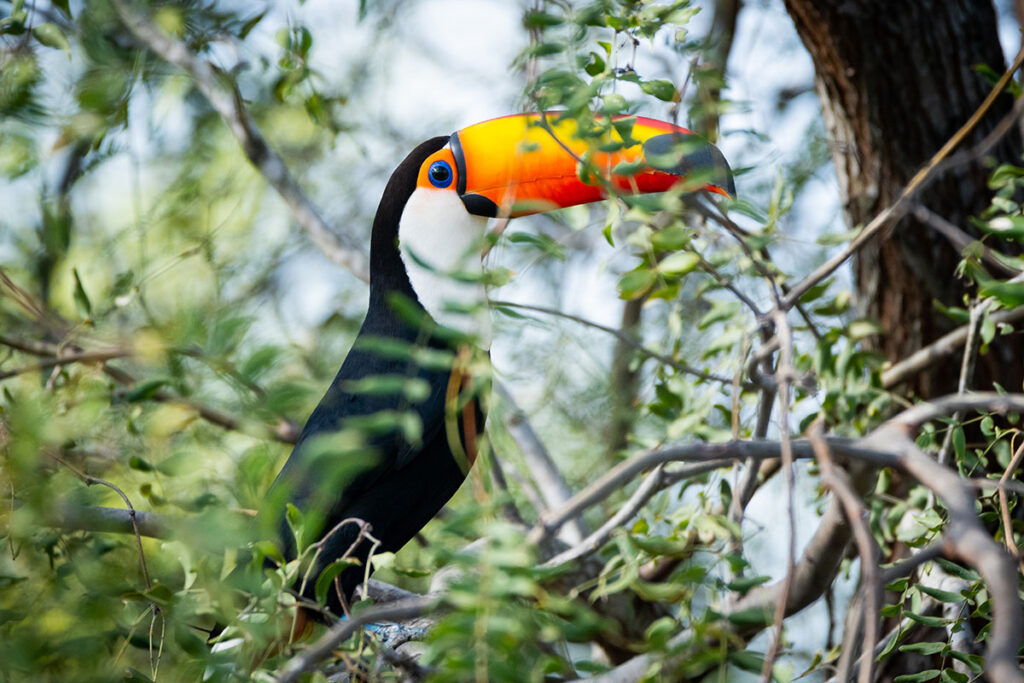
[[399, 427]]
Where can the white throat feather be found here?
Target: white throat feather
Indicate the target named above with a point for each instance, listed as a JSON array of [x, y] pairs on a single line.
[[438, 241]]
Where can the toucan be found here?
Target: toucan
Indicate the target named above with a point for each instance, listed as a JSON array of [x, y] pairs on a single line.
[[395, 434]]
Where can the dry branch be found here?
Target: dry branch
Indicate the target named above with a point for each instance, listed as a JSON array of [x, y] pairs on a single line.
[[322, 648], [544, 472]]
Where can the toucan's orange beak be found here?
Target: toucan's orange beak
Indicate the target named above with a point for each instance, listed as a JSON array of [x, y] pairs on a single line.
[[529, 163]]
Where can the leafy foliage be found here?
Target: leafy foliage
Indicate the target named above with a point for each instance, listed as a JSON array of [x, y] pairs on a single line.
[[157, 338]]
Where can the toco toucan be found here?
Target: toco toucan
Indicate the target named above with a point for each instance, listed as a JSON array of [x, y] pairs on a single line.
[[393, 437]]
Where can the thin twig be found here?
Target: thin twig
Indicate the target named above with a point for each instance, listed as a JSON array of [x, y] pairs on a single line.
[[89, 481], [958, 238], [544, 473], [100, 355], [940, 349], [717, 453], [784, 376], [621, 336], [1004, 506], [927, 411], [651, 485], [867, 548]]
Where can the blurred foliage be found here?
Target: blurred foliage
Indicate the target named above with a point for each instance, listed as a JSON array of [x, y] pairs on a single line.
[[138, 232]]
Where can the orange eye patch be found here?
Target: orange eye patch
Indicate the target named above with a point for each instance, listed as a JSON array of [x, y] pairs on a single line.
[[438, 171]]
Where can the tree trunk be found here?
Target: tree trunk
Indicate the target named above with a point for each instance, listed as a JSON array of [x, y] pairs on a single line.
[[896, 80]]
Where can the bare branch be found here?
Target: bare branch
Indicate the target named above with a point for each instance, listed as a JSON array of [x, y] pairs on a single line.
[[958, 238], [222, 94], [716, 453], [856, 516], [784, 376], [940, 349], [322, 648], [651, 485], [110, 520], [966, 538], [941, 407], [544, 472]]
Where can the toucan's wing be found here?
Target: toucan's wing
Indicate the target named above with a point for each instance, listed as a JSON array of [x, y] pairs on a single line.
[[366, 427]]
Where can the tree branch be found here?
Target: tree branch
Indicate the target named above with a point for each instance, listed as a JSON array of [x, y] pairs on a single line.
[[322, 648], [222, 94], [545, 474], [613, 479]]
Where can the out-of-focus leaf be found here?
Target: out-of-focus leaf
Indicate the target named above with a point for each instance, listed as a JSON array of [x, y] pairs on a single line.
[[50, 35], [82, 302], [1009, 294]]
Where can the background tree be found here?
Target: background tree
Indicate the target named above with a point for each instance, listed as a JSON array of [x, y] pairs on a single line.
[[696, 485], [896, 82]]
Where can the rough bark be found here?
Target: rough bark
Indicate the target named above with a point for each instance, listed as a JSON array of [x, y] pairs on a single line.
[[896, 80]]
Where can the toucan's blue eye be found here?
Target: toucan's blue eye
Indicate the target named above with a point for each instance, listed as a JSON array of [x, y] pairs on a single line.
[[440, 174]]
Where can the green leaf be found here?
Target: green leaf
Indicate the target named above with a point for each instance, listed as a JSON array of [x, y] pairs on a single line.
[[50, 35], [923, 648], [754, 616], [679, 264], [815, 292], [539, 19], [976, 663], [250, 24], [1010, 294], [899, 585], [940, 595], [82, 302], [663, 90], [959, 443], [672, 238], [327, 576], [62, 5], [915, 678], [956, 570], [745, 584], [924, 620], [747, 660], [636, 283], [1010, 227], [137, 463], [143, 391], [542, 243]]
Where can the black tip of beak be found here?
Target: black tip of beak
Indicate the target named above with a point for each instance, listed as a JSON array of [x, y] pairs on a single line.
[[690, 155]]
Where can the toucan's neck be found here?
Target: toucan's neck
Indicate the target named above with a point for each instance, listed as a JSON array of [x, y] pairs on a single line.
[[420, 239]]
